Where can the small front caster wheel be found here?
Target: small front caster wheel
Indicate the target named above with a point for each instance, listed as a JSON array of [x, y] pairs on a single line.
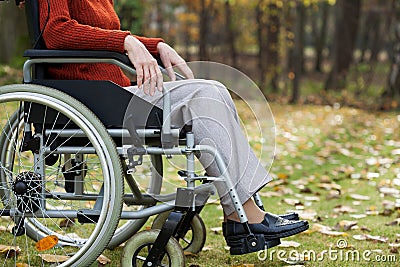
[[194, 239], [138, 247]]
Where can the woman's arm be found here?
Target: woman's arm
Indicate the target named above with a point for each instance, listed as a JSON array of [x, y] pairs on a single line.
[[64, 32]]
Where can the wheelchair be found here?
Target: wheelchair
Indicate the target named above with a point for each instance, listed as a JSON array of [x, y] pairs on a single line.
[[72, 165]]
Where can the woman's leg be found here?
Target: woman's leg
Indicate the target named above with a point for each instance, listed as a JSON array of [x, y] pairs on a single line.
[[207, 106]]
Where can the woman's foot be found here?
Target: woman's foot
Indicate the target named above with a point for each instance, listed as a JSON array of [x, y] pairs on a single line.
[[266, 227], [272, 227], [256, 215]]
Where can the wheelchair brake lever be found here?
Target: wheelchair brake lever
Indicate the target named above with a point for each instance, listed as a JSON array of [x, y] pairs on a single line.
[[137, 148]]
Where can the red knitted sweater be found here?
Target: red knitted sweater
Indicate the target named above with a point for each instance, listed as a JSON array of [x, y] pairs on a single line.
[[86, 25]]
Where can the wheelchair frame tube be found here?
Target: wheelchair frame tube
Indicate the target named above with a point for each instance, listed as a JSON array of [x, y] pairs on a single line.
[[112, 132], [228, 182], [150, 211]]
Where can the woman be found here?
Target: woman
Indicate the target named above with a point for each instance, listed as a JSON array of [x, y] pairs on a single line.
[[94, 25]]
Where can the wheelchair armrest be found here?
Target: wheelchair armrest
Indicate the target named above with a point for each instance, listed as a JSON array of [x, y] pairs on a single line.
[[50, 53]]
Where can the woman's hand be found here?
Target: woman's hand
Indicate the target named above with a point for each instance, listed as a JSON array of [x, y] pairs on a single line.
[[149, 76], [170, 58]]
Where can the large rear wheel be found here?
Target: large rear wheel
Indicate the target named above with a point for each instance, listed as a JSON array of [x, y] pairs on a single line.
[[60, 179]]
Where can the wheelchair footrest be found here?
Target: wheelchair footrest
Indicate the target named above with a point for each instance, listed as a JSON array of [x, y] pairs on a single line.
[[88, 216], [241, 244]]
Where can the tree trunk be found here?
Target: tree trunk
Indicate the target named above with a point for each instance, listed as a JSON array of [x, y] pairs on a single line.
[[298, 52], [14, 34], [393, 84], [203, 54], [160, 18], [230, 34], [272, 53], [261, 44], [347, 20], [289, 22], [320, 36]]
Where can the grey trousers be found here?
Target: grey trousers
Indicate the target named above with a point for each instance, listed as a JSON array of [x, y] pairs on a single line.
[[208, 107]]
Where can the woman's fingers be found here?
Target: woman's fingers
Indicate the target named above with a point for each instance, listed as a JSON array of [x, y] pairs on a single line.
[[187, 72], [160, 78], [152, 79], [171, 58], [139, 75], [146, 79], [149, 76], [168, 67]]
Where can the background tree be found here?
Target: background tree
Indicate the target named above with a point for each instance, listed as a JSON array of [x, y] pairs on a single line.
[[230, 34], [131, 14], [319, 23], [393, 84], [298, 51], [13, 32], [347, 22]]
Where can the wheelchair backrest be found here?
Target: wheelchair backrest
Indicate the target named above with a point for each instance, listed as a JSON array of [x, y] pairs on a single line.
[[33, 20]]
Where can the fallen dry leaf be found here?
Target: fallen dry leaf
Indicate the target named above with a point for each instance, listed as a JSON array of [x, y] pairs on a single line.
[[50, 258], [270, 194], [9, 251], [291, 201], [311, 198], [343, 209], [329, 186], [103, 260], [289, 244], [326, 230], [345, 225], [207, 248], [189, 254], [216, 230], [6, 229], [390, 191], [381, 239], [67, 223], [364, 228], [309, 215], [333, 194], [359, 197], [358, 216], [394, 223], [386, 212]]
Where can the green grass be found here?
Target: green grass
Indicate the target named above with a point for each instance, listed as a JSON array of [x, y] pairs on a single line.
[[325, 144]]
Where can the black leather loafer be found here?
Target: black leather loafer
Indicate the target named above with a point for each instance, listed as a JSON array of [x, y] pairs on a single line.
[[292, 216], [272, 227]]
